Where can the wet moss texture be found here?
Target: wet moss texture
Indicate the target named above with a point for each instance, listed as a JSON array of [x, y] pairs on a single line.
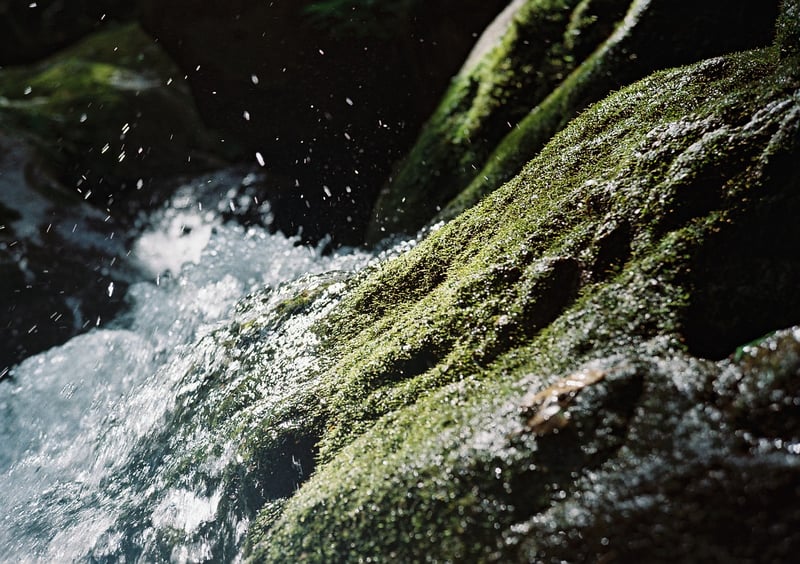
[[555, 58], [561, 372]]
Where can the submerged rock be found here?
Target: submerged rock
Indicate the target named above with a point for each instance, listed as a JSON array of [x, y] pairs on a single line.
[[554, 60]]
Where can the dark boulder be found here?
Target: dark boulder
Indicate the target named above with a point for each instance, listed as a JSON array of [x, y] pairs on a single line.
[[32, 30]]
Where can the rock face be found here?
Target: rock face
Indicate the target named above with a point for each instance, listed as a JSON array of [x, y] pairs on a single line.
[[502, 110], [58, 259], [598, 361], [562, 372], [328, 93]]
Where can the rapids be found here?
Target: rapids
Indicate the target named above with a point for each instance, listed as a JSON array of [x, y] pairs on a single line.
[[95, 464]]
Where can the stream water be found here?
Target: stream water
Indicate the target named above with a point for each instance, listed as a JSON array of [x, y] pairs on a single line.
[[94, 466]]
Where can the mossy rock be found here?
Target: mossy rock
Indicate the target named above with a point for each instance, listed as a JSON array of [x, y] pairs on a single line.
[[556, 58], [587, 365], [106, 113], [545, 377]]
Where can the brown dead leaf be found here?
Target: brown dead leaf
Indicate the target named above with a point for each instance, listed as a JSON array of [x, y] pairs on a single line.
[[545, 410]]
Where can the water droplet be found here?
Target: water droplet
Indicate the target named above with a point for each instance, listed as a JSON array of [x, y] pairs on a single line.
[[260, 159]]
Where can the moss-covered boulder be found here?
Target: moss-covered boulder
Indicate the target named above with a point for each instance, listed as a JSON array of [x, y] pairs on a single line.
[[593, 363], [329, 93], [554, 59], [106, 114], [562, 372]]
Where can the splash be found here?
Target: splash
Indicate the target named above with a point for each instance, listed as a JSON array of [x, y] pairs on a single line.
[[99, 456]]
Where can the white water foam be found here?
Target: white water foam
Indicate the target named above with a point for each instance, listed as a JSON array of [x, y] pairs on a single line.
[[69, 417]]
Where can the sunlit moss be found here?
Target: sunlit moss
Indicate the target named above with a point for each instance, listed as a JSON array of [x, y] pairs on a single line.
[[535, 88], [595, 252]]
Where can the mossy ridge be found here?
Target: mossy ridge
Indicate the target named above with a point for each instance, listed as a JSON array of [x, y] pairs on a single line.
[[417, 306], [484, 101], [396, 481], [654, 35], [106, 112], [538, 88]]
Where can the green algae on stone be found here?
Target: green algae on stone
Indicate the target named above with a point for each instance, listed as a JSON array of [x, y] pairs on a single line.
[[592, 258], [106, 112]]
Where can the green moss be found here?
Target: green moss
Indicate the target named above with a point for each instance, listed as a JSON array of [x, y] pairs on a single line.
[[595, 253], [481, 105], [634, 50], [526, 91]]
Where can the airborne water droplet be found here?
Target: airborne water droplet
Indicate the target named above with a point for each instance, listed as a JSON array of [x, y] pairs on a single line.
[[260, 159]]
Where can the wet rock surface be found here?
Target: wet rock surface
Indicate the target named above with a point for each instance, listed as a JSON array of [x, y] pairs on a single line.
[[561, 372], [598, 361]]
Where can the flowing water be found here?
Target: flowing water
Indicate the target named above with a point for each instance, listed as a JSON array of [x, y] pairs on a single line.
[[107, 453]]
